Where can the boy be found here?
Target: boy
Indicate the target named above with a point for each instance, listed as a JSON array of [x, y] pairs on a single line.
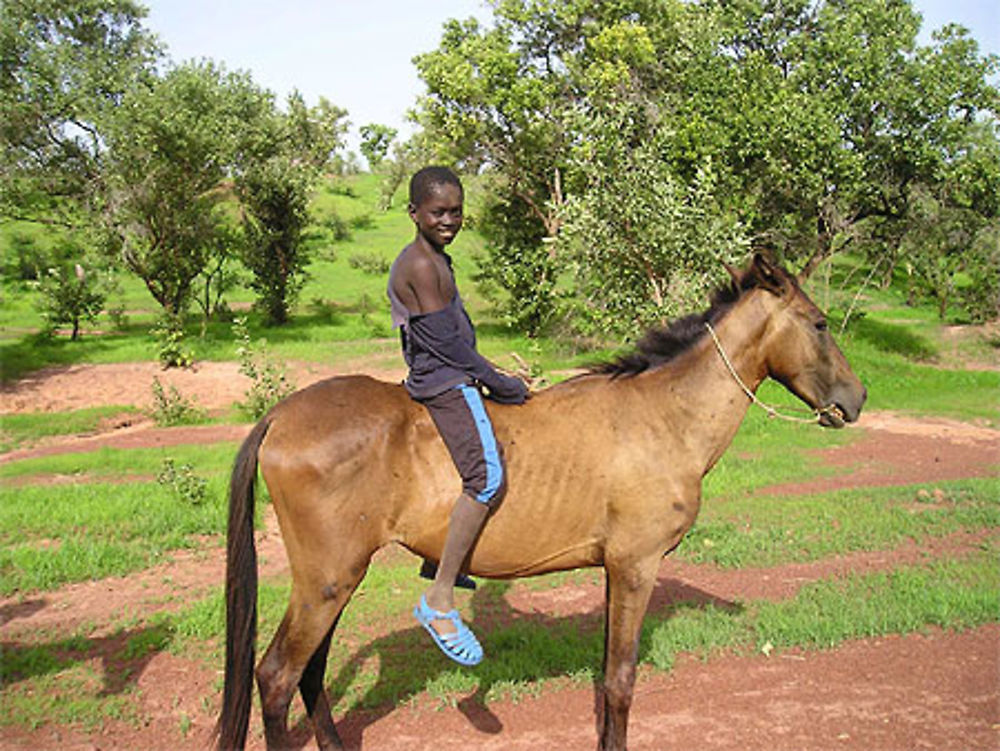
[[446, 372]]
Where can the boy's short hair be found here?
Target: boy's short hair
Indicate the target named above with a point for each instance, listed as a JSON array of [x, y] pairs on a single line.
[[424, 181]]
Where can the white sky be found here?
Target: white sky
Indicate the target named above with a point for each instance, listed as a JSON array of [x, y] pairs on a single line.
[[359, 54]]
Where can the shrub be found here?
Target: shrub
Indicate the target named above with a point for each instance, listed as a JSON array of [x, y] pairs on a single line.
[[70, 297], [369, 263], [24, 259], [171, 407], [183, 482], [169, 334], [269, 383]]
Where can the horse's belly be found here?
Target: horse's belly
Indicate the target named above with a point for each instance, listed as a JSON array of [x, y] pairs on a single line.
[[529, 535]]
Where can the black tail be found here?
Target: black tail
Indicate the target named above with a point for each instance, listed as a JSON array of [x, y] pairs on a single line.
[[241, 596]]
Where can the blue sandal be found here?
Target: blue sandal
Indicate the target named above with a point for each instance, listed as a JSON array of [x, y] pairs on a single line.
[[461, 646]]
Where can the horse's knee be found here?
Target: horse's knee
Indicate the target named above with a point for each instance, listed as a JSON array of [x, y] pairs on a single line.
[[618, 686], [275, 694]]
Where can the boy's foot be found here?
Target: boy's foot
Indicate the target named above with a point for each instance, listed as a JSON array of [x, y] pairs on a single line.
[[460, 645]]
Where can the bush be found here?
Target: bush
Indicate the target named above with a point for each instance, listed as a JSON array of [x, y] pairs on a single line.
[[23, 259], [169, 334], [269, 383], [370, 263], [70, 296], [171, 407], [182, 480]]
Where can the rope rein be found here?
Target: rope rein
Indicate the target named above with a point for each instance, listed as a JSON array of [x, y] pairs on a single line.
[[771, 411]]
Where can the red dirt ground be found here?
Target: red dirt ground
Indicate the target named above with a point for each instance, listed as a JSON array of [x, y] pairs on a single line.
[[934, 690]]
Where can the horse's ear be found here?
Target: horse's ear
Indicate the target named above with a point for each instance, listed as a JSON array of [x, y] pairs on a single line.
[[769, 274], [735, 274]]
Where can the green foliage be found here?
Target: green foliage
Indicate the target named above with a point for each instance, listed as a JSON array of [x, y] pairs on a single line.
[[169, 335], [171, 407], [980, 292], [519, 272], [282, 159], [23, 258], [66, 66], [170, 146], [71, 297], [186, 486], [642, 247], [269, 383], [276, 197], [370, 263], [807, 128], [375, 142]]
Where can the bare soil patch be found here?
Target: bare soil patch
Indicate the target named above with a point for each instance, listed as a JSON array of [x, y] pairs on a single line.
[[211, 385], [933, 690]]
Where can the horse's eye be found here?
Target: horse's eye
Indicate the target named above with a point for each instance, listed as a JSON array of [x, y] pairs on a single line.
[[821, 325]]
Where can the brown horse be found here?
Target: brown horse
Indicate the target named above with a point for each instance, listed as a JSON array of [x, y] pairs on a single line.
[[604, 470]]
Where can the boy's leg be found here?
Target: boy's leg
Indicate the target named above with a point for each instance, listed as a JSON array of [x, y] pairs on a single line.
[[465, 427], [467, 518]]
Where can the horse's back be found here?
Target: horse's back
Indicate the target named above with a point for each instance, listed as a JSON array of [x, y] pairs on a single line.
[[351, 442]]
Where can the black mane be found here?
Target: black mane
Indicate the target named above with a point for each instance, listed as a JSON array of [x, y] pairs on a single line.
[[662, 344]]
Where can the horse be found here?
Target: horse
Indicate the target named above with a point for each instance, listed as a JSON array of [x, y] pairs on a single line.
[[604, 469]]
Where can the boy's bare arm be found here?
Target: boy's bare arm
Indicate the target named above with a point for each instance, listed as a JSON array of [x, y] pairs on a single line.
[[421, 287]]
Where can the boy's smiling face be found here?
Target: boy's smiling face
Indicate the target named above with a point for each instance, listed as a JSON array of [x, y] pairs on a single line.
[[439, 216]]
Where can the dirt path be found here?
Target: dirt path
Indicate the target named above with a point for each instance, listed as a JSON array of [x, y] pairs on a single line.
[[935, 690]]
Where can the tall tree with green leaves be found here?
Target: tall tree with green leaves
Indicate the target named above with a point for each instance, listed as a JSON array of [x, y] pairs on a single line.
[[64, 67], [842, 116], [170, 147], [375, 142], [817, 122], [281, 155]]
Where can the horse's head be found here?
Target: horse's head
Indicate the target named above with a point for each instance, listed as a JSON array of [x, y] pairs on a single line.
[[800, 352]]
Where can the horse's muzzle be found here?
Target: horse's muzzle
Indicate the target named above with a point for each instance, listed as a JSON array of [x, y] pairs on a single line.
[[844, 406]]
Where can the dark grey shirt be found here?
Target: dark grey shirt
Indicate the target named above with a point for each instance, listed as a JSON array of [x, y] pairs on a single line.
[[440, 350]]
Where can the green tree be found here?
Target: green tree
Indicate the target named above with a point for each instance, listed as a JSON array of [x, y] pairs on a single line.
[[375, 142], [848, 118], [819, 123], [280, 159], [498, 98], [170, 147], [64, 67], [70, 295]]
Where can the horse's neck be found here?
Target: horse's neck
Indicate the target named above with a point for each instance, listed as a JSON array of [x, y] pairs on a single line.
[[702, 394]]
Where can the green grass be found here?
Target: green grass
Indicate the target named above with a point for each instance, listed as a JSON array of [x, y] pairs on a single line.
[[342, 315], [953, 594], [54, 535], [895, 383], [766, 451], [17, 430], [211, 460], [741, 532], [526, 656]]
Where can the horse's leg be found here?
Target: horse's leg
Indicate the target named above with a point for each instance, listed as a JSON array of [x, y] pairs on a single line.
[[315, 699], [307, 622], [629, 586]]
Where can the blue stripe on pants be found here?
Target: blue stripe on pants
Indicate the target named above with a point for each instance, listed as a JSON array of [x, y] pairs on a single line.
[[494, 469]]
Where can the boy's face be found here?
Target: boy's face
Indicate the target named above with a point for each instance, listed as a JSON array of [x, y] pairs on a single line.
[[439, 216]]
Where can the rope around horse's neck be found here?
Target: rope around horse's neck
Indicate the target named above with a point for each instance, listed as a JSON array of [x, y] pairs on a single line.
[[771, 411]]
